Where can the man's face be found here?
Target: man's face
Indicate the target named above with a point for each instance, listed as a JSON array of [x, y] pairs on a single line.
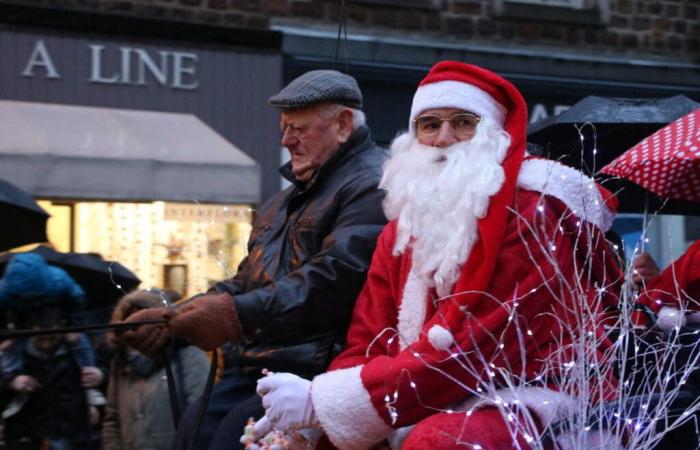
[[443, 127], [310, 138]]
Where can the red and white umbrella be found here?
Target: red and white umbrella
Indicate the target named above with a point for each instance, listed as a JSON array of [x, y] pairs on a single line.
[[667, 162]]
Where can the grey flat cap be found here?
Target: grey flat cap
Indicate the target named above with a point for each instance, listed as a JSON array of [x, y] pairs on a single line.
[[319, 86]]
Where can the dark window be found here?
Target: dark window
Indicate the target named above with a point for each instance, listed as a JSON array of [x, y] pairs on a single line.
[[589, 12], [408, 4]]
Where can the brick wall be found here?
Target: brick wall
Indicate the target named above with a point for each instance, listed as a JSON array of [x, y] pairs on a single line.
[[669, 28]]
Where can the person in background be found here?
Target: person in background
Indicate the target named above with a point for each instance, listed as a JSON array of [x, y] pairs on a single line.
[[483, 245], [673, 294], [47, 376], [289, 304], [137, 413], [27, 284], [49, 407]]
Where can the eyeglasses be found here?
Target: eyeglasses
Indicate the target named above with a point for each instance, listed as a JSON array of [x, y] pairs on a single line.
[[463, 124]]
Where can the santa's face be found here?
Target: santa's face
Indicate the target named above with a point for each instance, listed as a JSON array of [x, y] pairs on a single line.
[[437, 194], [444, 127]]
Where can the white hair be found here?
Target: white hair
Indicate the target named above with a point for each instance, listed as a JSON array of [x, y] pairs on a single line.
[[328, 110], [437, 196]]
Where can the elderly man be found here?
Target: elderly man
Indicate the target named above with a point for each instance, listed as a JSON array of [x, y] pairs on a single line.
[[475, 283], [289, 305]]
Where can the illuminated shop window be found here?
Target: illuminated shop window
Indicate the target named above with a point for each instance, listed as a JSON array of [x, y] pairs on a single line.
[[180, 246]]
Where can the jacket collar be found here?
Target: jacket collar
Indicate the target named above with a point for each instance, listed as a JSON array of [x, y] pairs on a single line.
[[358, 142]]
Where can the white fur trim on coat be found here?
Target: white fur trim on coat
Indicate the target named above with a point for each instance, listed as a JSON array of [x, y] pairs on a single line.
[[456, 94], [578, 192], [412, 310], [550, 407], [345, 410]]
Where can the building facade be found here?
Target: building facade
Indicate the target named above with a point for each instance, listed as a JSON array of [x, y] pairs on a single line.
[[555, 51]]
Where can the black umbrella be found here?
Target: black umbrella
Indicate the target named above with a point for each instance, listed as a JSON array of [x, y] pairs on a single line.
[[104, 282], [23, 221], [596, 130]]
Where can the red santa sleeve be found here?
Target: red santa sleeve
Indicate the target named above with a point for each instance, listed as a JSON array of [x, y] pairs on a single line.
[[678, 285], [470, 337]]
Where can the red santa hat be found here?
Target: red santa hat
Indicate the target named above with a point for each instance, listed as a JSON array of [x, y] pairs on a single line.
[[453, 84]]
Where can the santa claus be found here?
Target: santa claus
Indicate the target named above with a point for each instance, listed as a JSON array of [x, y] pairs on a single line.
[[476, 286]]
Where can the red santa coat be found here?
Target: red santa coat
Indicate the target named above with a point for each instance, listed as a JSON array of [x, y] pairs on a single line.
[[384, 381]]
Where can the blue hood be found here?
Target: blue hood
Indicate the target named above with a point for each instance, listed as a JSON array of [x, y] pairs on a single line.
[[30, 283]]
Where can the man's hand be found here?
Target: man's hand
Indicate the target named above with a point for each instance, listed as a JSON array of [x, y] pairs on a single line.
[[287, 401], [644, 268], [147, 339], [207, 321], [91, 376], [24, 383]]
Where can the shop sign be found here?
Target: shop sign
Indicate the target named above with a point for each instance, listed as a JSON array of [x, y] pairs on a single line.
[[539, 111], [120, 65], [204, 213]]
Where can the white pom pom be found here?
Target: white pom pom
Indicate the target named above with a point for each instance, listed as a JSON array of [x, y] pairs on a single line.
[[440, 338], [670, 318]]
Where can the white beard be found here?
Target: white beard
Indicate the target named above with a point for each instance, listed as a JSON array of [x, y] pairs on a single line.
[[438, 196]]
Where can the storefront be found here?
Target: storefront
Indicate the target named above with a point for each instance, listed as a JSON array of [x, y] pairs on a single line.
[[389, 68], [150, 151]]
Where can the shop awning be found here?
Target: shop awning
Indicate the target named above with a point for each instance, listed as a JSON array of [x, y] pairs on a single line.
[[64, 151]]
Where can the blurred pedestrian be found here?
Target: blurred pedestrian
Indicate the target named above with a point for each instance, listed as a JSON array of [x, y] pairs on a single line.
[[49, 407], [46, 375], [137, 414]]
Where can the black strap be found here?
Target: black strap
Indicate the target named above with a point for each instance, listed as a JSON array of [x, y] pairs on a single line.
[[172, 389], [205, 398], [15, 334]]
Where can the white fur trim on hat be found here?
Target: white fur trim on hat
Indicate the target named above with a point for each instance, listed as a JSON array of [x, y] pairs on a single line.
[[440, 338], [345, 410], [578, 192], [456, 94]]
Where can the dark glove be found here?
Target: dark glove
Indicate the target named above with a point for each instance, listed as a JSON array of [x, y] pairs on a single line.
[[207, 321], [147, 339]]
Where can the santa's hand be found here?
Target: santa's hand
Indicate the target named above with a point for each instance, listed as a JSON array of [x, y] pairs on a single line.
[[287, 401], [262, 427]]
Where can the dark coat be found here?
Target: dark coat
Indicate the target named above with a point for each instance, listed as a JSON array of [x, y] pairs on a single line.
[[308, 257], [59, 408], [137, 414]]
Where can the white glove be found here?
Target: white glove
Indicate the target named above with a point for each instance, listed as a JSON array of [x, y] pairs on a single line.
[[287, 401], [262, 427]]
